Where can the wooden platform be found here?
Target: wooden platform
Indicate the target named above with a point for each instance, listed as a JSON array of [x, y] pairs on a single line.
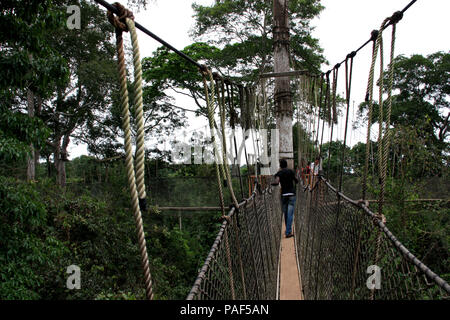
[[290, 282]]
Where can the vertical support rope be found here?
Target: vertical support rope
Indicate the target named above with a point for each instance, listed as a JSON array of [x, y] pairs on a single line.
[[333, 119], [120, 27], [230, 181], [227, 176], [320, 107], [383, 141], [386, 140], [380, 124], [302, 98], [348, 86], [377, 38], [233, 118], [210, 105], [138, 104], [369, 99]]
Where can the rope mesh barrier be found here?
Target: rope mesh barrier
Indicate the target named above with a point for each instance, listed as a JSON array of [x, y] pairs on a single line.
[[336, 244], [257, 226]]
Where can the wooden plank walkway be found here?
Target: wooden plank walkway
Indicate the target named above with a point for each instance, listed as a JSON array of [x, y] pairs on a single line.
[[290, 282]]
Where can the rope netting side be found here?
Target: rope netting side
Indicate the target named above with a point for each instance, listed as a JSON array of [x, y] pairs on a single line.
[[336, 267], [257, 226]]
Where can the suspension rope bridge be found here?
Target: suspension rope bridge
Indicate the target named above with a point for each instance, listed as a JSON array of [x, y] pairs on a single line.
[[336, 239]]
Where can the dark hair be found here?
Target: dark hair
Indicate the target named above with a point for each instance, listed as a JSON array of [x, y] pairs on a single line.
[[283, 163], [318, 158]]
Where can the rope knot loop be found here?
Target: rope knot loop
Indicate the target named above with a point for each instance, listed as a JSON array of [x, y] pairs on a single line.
[[235, 206], [203, 70], [225, 217], [374, 35], [396, 17], [363, 202], [351, 55], [119, 21], [217, 76]]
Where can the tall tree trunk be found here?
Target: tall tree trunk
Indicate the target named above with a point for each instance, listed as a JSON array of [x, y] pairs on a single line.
[[49, 168], [31, 161], [37, 113], [63, 160], [57, 157], [60, 156], [283, 96]]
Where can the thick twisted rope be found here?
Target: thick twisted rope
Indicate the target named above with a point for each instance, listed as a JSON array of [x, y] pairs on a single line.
[[332, 119], [230, 187], [383, 141], [378, 41], [123, 23], [369, 99], [386, 137], [138, 103], [380, 122]]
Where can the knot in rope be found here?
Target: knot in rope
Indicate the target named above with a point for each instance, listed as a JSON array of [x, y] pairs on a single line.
[[351, 55], [379, 218], [337, 66], [203, 70], [235, 206], [374, 35], [119, 21], [217, 76], [225, 217], [363, 202], [396, 17]]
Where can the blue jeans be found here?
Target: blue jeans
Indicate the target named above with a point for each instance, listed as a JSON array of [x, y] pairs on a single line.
[[287, 206]]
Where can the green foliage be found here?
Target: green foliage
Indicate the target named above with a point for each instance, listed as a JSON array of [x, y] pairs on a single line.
[[17, 133], [29, 248], [27, 59], [332, 162], [90, 224], [27, 62], [420, 119], [243, 29], [167, 70], [423, 227]]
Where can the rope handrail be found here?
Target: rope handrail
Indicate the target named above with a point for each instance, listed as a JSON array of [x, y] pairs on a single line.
[[264, 260], [397, 244]]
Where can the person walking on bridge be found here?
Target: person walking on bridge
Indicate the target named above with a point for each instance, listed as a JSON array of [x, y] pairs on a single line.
[[286, 177]]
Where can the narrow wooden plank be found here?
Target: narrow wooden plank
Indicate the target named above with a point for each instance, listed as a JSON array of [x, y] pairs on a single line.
[[290, 286]]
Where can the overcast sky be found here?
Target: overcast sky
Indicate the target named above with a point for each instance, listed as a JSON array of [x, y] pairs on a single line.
[[341, 28]]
